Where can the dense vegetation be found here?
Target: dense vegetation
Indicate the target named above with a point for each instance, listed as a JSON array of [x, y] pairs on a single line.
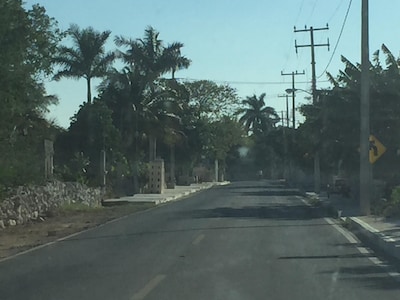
[[141, 112]]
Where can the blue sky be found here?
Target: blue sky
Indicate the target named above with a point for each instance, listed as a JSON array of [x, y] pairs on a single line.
[[244, 43]]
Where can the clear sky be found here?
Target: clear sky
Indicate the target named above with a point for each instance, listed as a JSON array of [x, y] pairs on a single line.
[[246, 43]]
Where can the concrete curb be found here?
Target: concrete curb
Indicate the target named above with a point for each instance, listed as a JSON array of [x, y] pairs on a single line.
[[169, 195], [383, 242], [364, 231]]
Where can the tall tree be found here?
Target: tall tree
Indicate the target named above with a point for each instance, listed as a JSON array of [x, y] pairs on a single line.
[[257, 117], [87, 59], [150, 57], [28, 38], [147, 59]]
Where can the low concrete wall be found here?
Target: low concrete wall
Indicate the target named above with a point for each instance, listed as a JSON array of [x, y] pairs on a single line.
[[27, 203]]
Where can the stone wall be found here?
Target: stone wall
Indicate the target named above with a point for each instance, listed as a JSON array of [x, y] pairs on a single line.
[[27, 203]]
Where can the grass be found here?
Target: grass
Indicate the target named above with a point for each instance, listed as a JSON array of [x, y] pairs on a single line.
[[313, 200], [66, 220], [108, 212], [346, 223], [77, 207]]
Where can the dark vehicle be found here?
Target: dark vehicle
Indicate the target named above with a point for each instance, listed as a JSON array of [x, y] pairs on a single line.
[[339, 186]]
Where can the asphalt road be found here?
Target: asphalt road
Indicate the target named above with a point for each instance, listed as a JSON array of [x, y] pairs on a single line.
[[242, 241]]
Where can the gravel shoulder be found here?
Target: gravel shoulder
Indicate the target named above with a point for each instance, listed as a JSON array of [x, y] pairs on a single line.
[[59, 224]]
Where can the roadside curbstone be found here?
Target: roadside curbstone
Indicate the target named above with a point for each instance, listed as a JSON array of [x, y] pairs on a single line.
[[169, 194], [383, 242]]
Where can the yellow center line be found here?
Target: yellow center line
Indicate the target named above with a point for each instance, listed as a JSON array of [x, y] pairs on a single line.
[[151, 285]]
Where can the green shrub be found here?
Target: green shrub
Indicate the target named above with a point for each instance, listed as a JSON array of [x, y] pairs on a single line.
[[395, 196], [392, 207]]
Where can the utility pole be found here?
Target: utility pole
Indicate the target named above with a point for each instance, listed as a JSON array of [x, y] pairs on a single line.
[[293, 74], [285, 146], [365, 167], [312, 45], [286, 162], [287, 107]]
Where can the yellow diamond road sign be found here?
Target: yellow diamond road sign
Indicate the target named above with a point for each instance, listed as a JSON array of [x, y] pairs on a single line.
[[376, 149]]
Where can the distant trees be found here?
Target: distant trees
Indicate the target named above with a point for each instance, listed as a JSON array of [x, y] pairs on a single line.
[[137, 105], [142, 111]]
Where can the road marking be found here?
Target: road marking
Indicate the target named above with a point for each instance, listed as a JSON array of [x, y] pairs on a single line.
[[345, 233], [151, 285], [198, 239], [353, 240]]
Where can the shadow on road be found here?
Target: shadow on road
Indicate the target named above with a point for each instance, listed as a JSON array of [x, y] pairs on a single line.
[[261, 189], [273, 192], [180, 230], [280, 212], [374, 277], [327, 256]]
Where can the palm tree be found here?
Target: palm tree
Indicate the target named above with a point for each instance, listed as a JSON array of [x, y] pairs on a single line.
[[148, 59], [257, 117], [87, 58], [151, 57]]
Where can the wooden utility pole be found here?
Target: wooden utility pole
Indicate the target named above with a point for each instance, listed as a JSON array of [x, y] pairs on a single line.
[[286, 164], [287, 108], [312, 45], [365, 166], [293, 74]]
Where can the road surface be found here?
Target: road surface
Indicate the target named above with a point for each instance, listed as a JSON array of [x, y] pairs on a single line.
[[247, 240]]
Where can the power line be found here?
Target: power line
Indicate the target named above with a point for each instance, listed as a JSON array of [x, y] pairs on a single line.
[[300, 10], [335, 12], [244, 82], [312, 10], [287, 54], [338, 40]]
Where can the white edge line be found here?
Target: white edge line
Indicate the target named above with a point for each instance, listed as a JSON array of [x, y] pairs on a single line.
[[349, 236], [353, 240]]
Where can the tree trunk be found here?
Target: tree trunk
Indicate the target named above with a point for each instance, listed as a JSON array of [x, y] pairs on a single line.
[[216, 170], [222, 173], [172, 166], [89, 92], [152, 148]]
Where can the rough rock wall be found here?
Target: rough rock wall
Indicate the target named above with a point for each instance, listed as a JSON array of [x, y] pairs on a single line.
[[28, 203]]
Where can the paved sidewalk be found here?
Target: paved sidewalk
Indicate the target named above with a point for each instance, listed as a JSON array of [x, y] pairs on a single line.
[[383, 233], [168, 195]]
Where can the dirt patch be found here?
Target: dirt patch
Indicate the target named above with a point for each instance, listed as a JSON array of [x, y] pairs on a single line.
[[60, 224]]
